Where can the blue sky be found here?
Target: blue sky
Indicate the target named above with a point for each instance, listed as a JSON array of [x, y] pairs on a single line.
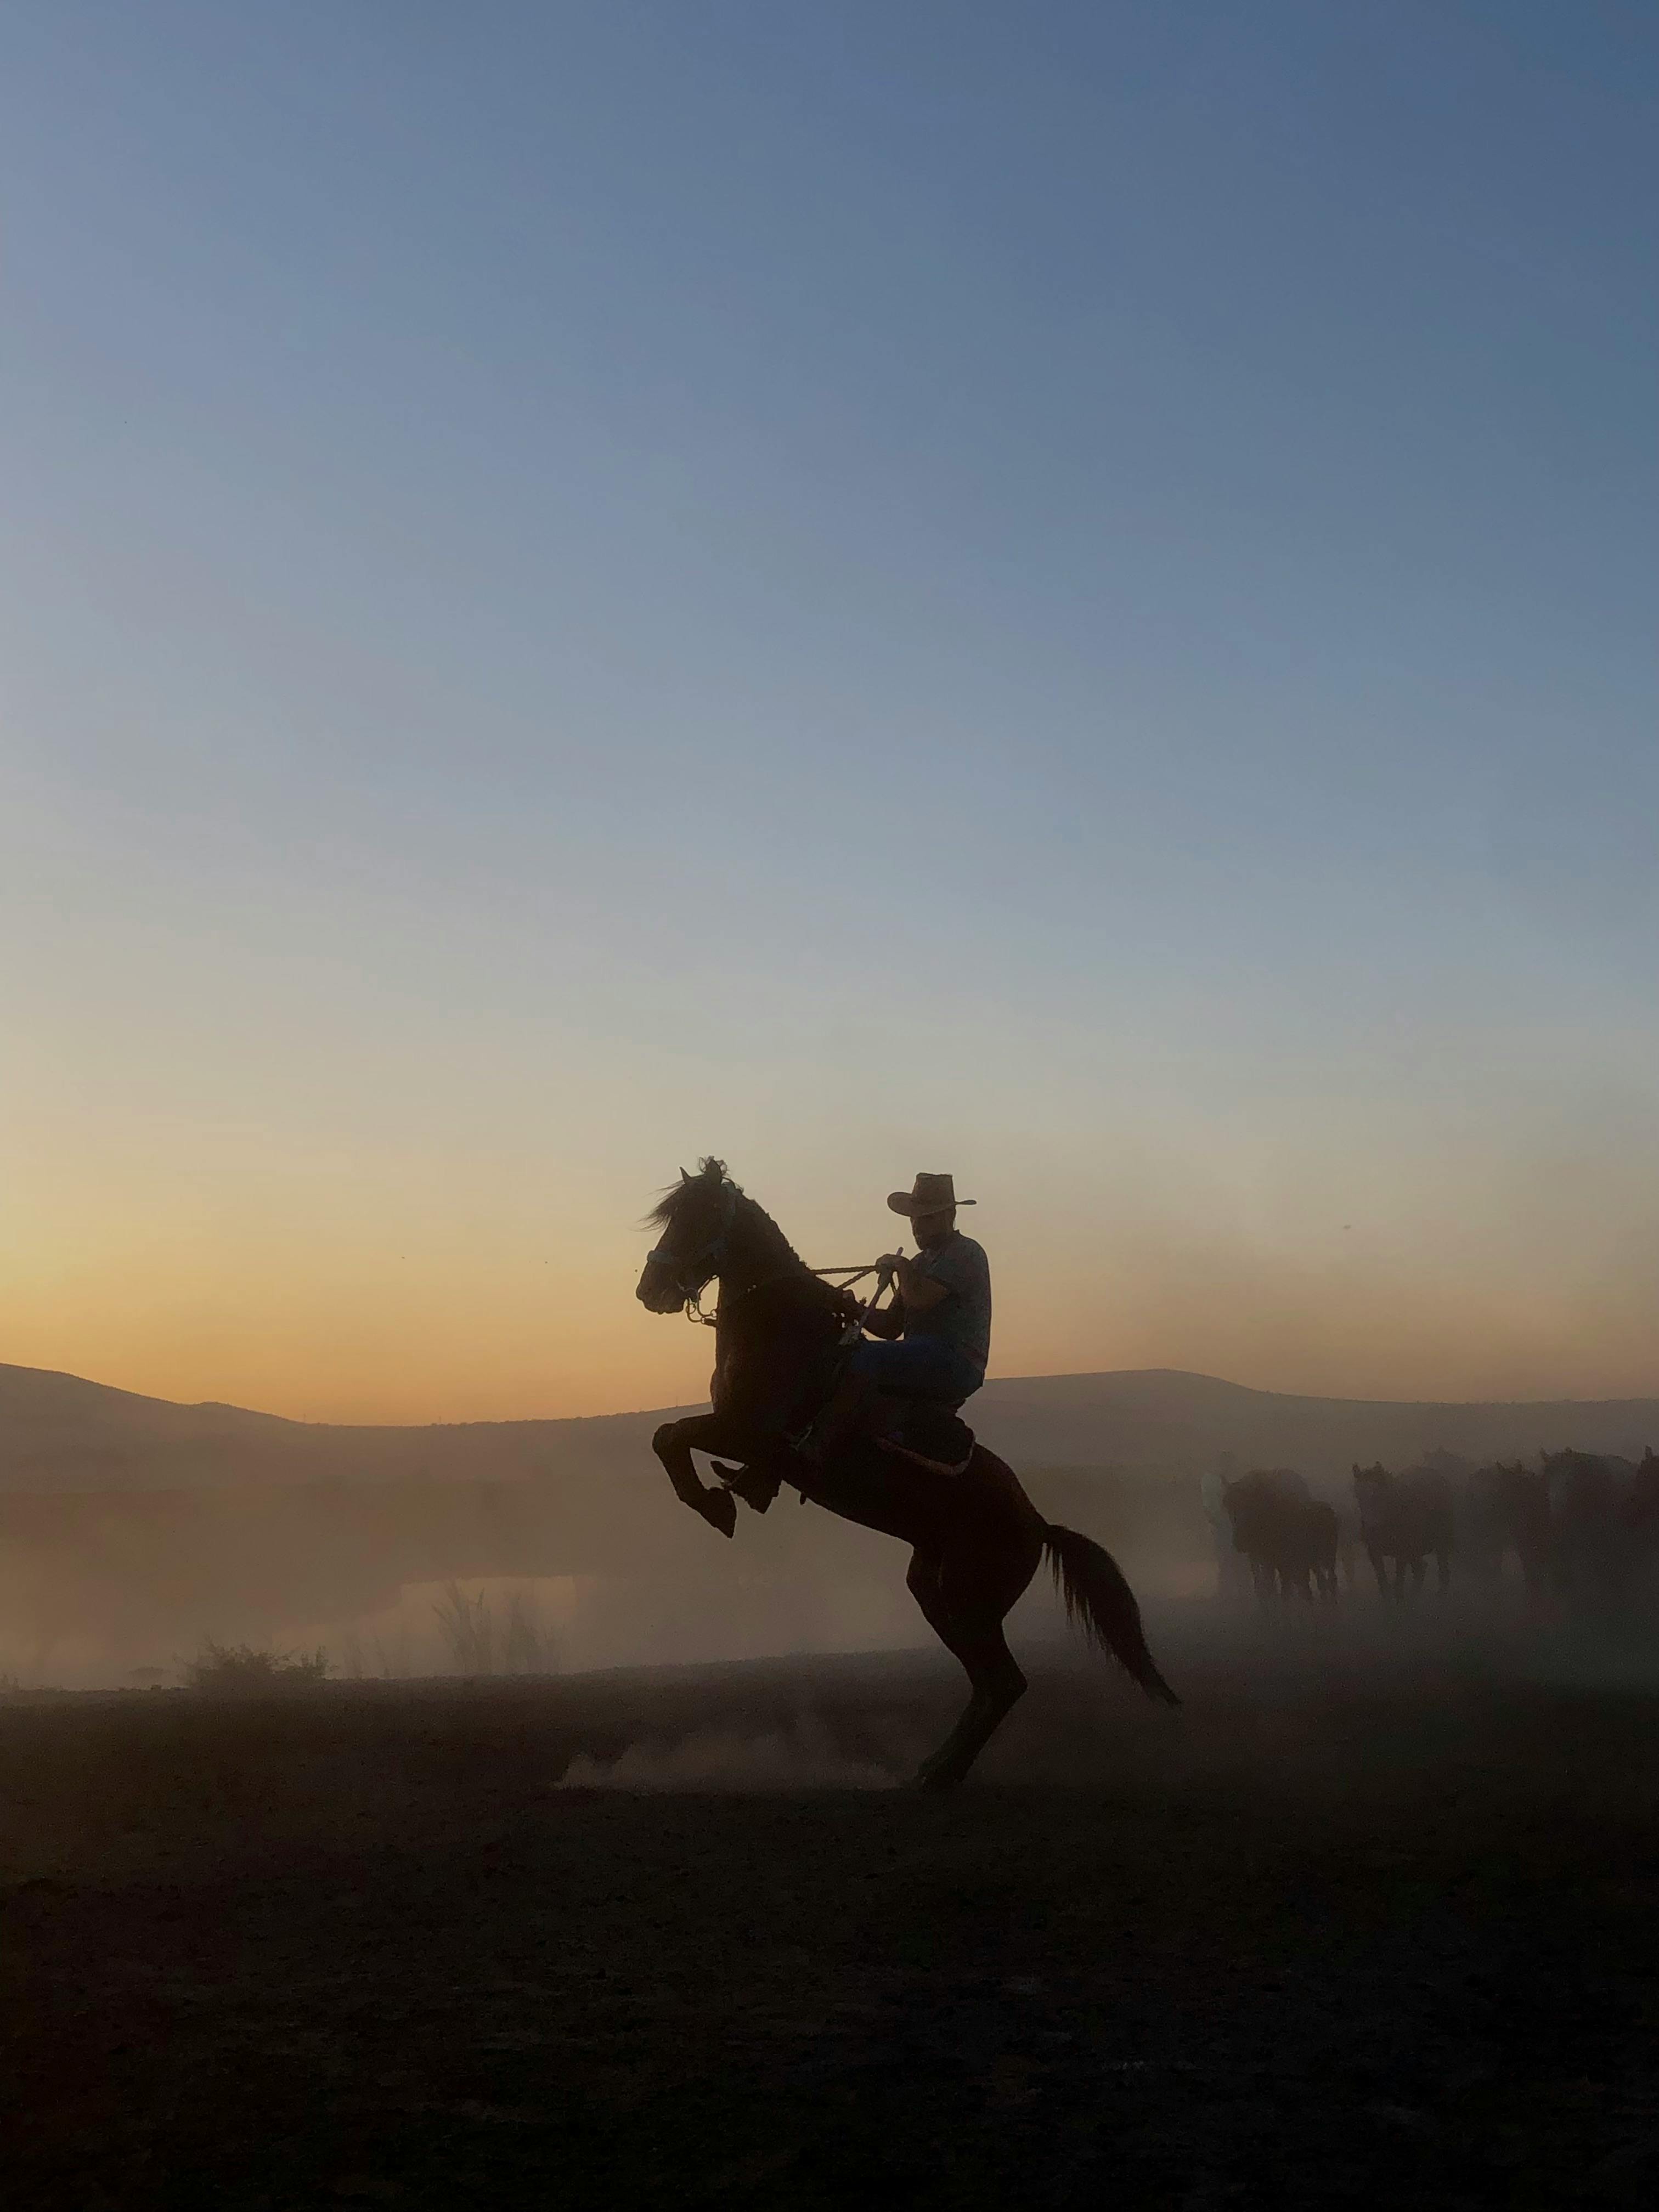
[[1066, 593]]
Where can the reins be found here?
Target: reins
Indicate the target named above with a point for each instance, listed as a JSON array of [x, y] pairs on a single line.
[[694, 1311], [711, 1253]]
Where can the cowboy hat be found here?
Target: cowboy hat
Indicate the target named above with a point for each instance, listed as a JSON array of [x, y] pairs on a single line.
[[929, 1194]]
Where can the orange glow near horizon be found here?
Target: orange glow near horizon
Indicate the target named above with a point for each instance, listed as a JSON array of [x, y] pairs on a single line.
[[307, 1207], [356, 1306]]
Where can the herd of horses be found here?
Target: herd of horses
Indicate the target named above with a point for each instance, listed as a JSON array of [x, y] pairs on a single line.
[[1581, 1527]]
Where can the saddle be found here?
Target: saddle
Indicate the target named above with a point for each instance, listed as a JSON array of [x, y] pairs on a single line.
[[919, 1428], [934, 1436]]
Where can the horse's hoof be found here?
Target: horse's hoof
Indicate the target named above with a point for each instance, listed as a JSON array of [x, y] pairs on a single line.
[[934, 1779], [935, 1772]]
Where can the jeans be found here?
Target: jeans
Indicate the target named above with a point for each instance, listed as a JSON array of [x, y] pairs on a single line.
[[918, 1367]]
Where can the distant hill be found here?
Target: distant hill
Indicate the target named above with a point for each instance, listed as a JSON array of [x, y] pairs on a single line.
[[130, 1526], [60, 1434], [1164, 1418]]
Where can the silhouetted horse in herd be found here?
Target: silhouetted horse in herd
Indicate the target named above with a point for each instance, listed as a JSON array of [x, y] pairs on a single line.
[[1405, 1519], [975, 1538], [1643, 1512], [1289, 1538], [1601, 1513], [1506, 1509], [1583, 1526]]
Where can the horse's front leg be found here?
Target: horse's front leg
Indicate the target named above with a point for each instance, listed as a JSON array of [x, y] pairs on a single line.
[[673, 1443]]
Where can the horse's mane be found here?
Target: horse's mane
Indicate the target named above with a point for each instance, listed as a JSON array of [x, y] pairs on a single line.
[[711, 1174]]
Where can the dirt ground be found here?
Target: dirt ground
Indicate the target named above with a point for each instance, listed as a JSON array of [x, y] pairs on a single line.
[[1372, 1920]]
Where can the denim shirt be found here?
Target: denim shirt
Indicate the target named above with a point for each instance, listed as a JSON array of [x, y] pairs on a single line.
[[962, 1321]]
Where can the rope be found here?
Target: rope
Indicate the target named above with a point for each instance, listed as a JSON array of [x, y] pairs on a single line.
[[694, 1311]]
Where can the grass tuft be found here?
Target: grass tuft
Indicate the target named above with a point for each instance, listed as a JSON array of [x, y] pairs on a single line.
[[230, 1669]]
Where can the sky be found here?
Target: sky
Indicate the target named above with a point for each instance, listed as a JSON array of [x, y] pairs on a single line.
[[1062, 593]]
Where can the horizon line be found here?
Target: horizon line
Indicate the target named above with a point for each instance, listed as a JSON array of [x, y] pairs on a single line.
[[641, 1412]]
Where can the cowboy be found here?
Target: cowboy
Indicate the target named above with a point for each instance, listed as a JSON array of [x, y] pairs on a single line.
[[935, 1339], [936, 1335]]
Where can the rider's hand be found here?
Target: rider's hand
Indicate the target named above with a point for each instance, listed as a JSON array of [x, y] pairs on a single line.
[[889, 1261]]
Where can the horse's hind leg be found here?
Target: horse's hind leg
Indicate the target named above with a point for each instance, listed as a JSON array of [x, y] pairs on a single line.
[[964, 1599], [998, 1687]]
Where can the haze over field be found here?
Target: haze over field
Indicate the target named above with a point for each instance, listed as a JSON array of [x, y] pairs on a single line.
[[1064, 595], [130, 1530]]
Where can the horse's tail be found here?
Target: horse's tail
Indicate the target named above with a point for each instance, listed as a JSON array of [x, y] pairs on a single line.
[[1099, 1601]]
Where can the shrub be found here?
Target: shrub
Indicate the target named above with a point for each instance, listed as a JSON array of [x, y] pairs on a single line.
[[468, 1629], [229, 1669], [527, 1646], [480, 1643]]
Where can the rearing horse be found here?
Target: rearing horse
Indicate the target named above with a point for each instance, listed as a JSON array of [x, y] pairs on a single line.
[[976, 1539]]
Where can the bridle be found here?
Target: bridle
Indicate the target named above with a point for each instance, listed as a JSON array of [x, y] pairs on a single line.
[[692, 1275]]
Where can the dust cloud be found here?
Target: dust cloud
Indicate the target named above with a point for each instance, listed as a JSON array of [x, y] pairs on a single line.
[[796, 1584], [802, 1756], [557, 1549]]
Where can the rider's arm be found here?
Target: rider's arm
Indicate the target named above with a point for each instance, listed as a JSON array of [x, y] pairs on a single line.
[[888, 1323], [916, 1289]]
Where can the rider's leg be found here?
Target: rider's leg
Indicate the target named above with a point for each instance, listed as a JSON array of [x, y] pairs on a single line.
[[933, 1424], [915, 1367], [845, 1414], [920, 1369]]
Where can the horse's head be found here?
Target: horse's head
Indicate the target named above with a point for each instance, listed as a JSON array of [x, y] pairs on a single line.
[[696, 1216]]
